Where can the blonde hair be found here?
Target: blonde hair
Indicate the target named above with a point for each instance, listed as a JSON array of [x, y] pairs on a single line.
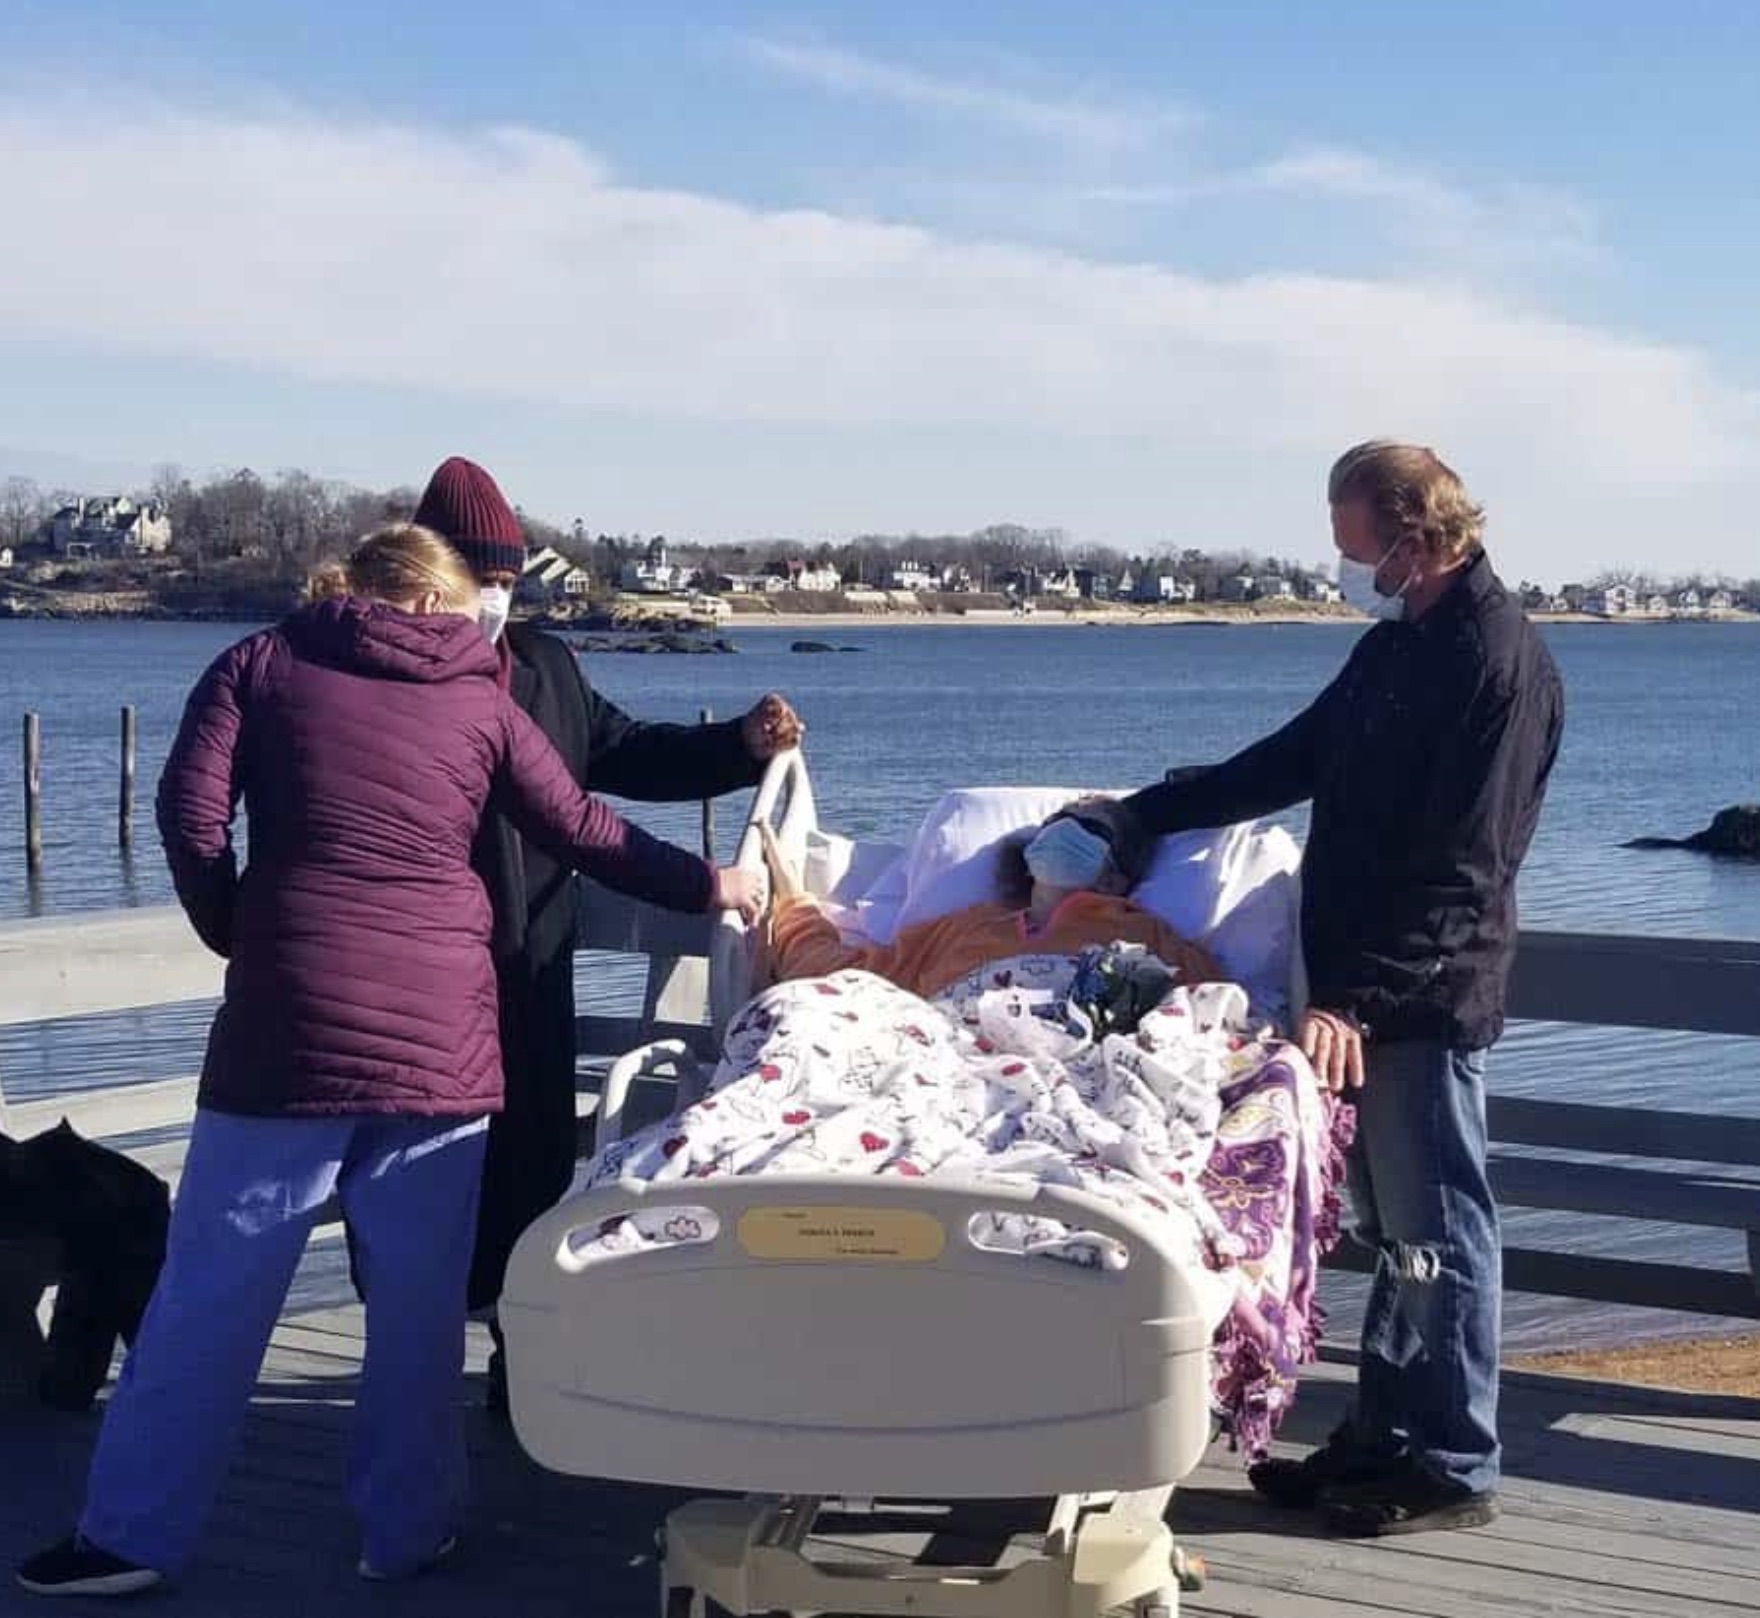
[[1413, 494], [398, 563]]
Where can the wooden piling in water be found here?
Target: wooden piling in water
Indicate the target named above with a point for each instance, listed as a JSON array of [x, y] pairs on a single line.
[[33, 790], [125, 785], [708, 718]]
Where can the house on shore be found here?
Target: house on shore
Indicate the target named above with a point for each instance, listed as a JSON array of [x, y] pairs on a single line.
[[1161, 589], [1611, 601], [655, 573], [550, 576], [110, 525], [795, 573], [911, 576]]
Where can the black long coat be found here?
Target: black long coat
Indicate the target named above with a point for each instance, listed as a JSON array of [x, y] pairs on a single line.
[[531, 1149]]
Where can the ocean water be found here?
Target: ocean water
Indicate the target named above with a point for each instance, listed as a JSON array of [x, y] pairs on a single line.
[[1659, 734]]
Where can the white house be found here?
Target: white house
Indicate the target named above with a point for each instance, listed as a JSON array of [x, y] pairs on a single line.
[[1275, 587], [5, 556], [1159, 587], [1656, 606], [1242, 587], [110, 525], [957, 579], [1313, 587], [1688, 601], [822, 578], [912, 576], [549, 574], [653, 574], [1720, 601], [798, 574], [1611, 601]]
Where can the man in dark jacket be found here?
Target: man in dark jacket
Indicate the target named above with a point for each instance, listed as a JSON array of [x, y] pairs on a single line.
[[1426, 761], [531, 1148]]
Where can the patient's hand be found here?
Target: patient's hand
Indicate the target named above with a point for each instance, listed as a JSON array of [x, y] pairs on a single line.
[[784, 885], [738, 890], [1333, 1043]]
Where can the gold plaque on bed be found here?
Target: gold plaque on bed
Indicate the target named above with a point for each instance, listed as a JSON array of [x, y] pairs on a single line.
[[830, 1235]]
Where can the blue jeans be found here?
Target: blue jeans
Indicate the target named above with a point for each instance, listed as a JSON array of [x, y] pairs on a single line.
[[250, 1192], [1422, 1198]]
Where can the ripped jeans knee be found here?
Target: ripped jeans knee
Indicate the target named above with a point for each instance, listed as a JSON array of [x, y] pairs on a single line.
[[1417, 1262]]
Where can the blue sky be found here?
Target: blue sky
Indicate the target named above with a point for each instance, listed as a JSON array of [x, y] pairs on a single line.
[[1136, 270]]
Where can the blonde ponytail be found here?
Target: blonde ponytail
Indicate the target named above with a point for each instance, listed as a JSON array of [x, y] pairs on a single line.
[[399, 563], [327, 582]]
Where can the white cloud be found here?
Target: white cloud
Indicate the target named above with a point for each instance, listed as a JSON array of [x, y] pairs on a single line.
[[1101, 126], [511, 264], [1525, 222]]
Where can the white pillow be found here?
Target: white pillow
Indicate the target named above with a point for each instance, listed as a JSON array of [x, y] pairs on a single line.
[[1233, 890], [951, 863]]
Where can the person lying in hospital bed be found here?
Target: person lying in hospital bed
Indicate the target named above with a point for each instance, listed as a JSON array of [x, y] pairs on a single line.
[[1063, 889], [1058, 1034]]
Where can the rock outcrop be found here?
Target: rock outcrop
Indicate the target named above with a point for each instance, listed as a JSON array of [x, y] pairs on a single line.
[[688, 645], [1733, 832]]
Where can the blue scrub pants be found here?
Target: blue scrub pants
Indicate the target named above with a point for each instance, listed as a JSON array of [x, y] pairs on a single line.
[[250, 1192]]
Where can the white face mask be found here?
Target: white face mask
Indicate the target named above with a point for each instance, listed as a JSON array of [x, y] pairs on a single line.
[[496, 603], [1357, 583], [1067, 855]]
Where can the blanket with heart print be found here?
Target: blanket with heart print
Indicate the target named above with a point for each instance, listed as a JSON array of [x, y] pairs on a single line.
[[1196, 1119]]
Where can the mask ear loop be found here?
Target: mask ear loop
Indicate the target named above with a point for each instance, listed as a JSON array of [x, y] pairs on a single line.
[[1411, 572]]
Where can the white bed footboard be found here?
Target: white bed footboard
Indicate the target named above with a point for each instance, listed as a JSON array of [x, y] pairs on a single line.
[[837, 1336]]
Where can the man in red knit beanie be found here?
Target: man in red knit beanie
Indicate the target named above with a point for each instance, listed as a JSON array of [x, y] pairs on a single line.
[[531, 1151]]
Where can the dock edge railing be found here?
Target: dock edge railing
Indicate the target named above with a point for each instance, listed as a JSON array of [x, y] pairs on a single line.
[[1566, 1156]]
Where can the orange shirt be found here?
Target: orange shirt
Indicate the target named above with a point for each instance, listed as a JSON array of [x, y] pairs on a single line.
[[927, 957]]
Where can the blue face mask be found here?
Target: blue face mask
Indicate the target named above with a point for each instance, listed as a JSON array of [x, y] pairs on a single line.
[[1066, 854]]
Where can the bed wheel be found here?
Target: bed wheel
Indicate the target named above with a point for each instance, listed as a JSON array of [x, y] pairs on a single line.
[[1189, 1571]]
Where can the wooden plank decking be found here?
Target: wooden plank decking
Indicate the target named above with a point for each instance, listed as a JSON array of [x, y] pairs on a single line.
[[1618, 1501]]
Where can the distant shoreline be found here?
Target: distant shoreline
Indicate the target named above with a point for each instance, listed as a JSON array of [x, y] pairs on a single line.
[[804, 621], [1223, 617], [122, 607]]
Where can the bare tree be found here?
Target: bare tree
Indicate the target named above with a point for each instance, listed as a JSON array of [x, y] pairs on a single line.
[[23, 509]]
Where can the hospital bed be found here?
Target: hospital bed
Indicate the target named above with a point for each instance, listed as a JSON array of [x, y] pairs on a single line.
[[827, 1345]]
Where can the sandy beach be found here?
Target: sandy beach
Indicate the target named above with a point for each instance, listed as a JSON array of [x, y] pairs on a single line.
[[1726, 1365], [1202, 617], [1198, 617]]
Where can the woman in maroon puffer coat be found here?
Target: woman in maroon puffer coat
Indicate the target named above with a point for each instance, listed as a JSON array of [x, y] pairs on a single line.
[[356, 1050]]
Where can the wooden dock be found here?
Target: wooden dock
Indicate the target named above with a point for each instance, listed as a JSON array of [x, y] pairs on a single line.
[[1617, 1501]]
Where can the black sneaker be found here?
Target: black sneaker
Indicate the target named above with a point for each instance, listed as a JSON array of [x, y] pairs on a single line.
[[427, 1565], [1406, 1500], [76, 1567], [1300, 1484]]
